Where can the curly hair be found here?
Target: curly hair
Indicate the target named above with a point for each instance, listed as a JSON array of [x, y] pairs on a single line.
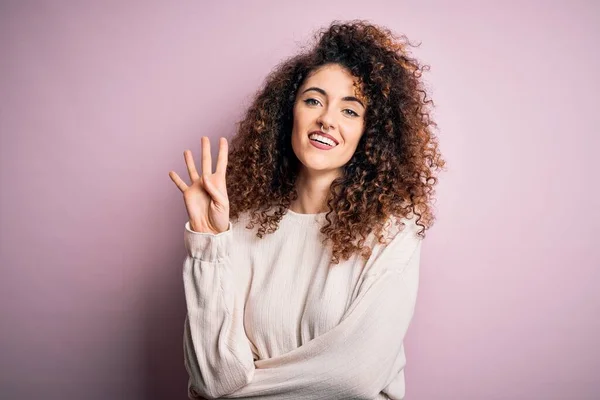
[[391, 173]]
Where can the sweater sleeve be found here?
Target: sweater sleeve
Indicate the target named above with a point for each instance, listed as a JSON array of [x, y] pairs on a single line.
[[359, 357], [217, 354]]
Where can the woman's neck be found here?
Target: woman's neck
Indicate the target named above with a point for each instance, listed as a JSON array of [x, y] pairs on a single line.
[[313, 190]]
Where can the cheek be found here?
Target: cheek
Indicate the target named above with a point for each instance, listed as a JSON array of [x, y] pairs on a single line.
[[297, 117], [295, 125], [298, 126], [354, 133], [300, 116]]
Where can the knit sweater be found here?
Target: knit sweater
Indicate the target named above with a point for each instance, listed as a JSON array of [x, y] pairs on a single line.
[[271, 319]]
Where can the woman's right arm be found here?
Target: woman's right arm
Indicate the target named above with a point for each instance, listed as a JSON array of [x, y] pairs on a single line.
[[218, 357]]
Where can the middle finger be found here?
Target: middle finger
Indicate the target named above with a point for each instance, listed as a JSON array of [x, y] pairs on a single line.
[[206, 158]]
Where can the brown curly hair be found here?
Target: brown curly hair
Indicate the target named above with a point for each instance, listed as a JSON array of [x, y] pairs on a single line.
[[391, 173]]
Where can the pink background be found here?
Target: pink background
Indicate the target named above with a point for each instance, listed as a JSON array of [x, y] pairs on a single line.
[[98, 100]]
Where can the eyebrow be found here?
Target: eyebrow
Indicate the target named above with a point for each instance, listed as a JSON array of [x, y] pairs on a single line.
[[324, 93]]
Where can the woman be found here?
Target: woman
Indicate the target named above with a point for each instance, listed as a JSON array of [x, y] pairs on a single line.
[[334, 161]]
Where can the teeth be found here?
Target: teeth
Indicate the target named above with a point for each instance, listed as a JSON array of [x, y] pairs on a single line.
[[320, 138]]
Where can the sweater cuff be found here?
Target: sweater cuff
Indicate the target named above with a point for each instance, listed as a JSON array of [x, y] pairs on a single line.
[[208, 246]]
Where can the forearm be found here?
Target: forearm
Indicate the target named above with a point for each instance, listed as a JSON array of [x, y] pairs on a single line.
[[218, 357], [355, 360]]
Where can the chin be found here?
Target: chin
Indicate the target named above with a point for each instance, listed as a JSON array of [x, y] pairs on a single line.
[[314, 159], [312, 166]]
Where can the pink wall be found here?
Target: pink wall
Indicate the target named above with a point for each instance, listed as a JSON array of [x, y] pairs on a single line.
[[99, 100]]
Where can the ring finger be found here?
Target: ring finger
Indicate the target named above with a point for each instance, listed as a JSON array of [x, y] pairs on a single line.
[[191, 167]]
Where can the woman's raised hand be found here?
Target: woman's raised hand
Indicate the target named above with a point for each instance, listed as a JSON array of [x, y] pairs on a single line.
[[206, 198]]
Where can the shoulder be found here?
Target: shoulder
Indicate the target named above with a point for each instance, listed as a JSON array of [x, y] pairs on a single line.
[[242, 220], [402, 244], [402, 226]]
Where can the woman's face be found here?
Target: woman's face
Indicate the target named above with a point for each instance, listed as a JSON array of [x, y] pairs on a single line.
[[327, 96]]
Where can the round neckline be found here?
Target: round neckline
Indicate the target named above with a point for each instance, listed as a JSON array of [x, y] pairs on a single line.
[[319, 217]]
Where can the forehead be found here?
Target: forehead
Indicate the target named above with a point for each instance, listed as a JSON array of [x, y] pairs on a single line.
[[334, 79]]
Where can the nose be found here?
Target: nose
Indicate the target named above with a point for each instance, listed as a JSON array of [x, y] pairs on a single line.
[[326, 118]]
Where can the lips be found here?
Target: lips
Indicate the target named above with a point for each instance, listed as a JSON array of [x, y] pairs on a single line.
[[326, 135]]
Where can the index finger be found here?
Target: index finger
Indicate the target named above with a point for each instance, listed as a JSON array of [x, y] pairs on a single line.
[[222, 157]]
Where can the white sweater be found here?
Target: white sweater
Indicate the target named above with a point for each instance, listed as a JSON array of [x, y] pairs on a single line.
[[270, 319]]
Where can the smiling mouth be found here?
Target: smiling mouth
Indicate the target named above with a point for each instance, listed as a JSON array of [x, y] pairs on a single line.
[[322, 140]]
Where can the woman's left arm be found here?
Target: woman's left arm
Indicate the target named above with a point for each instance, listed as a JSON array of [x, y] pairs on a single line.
[[359, 357]]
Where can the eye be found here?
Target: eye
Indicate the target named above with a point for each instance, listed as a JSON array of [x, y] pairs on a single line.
[[352, 111], [309, 101]]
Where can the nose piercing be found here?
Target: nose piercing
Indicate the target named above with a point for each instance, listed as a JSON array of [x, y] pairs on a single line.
[[323, 127]]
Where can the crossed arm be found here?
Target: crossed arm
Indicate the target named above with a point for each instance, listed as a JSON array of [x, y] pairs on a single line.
[[356, 359]]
